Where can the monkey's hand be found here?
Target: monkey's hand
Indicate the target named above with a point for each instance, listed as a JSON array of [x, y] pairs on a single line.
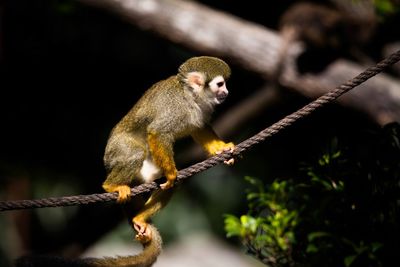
[[124, 191], [212, 144], [222, 147]]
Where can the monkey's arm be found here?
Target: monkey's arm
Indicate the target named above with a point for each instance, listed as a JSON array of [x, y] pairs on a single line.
[[163, 156], [209, 140]]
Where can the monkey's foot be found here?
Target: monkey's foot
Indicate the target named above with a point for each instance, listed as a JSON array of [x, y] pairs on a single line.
[[143, 232], [171, 177], [167, 185], [124, 192]]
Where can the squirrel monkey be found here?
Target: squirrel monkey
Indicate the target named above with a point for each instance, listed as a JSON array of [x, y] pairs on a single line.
[[140, 150], [140, 147]]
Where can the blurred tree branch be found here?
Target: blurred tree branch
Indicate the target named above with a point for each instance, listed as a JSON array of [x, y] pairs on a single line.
[[390, 49], [256, 48]]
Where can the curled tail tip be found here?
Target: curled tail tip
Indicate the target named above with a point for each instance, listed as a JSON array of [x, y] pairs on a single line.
[[151, 250]]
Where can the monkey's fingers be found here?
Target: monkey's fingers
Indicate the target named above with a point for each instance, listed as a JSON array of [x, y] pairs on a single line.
[[230, 161]]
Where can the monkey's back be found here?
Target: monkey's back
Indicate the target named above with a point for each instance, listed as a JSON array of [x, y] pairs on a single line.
[[166, 109]]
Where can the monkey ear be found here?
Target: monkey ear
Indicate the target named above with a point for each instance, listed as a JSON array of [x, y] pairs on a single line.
[[195, 80]]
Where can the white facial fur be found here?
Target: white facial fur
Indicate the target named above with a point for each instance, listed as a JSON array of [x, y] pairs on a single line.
[[216, 91], [218, 87]]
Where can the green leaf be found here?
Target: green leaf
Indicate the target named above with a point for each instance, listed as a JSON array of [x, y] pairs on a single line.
[[375, 246], [249, 223], [384, 6], [311, 248], [314, 235], [233, 227], [252, 196], [254, 181], [336, 155], [349, 260], [291, 237], [282, 243]]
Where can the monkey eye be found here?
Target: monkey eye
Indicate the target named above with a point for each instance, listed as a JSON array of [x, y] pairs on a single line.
[[220, 84]]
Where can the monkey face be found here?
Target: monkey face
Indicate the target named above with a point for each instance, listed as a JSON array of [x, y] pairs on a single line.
[[213, 92], [218, 88]]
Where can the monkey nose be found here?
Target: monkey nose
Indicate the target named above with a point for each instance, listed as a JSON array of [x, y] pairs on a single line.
[[221, 96]]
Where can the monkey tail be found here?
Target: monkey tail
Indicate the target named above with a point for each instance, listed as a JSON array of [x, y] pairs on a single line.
[[146, 258]]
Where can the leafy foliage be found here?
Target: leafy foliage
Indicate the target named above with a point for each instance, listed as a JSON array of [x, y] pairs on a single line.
[[267, 231], [386, 7], [342, 209]]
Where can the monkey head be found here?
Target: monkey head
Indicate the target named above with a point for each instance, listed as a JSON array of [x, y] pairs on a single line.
[[206, 78]]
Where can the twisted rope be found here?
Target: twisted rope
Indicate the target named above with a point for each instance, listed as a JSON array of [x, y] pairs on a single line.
[[210, 162]]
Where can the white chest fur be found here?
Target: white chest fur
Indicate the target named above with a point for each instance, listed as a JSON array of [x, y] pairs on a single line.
[[149, 171]]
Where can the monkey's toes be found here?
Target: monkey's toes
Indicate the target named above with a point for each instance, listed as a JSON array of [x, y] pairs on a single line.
[[167, 185], [124, 193], [143, 232]]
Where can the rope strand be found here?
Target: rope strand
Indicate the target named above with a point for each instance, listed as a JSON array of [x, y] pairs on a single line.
[[210, 162]]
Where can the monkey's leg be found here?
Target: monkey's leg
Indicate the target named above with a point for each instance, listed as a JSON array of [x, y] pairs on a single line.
[[134, 206], [163, 156], [123, 160], [211, 143], [157, 201]]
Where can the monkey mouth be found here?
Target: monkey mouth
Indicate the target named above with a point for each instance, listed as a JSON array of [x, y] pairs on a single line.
[[221, 98]]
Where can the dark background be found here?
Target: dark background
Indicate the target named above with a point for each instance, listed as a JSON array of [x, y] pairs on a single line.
[[69, 72]]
